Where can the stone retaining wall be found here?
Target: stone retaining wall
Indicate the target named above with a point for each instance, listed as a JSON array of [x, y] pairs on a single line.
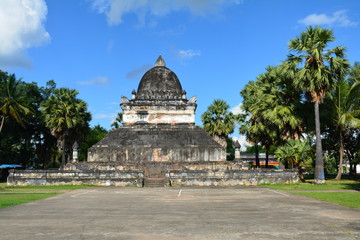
[[230, 177], [136, 178], [58, 177]]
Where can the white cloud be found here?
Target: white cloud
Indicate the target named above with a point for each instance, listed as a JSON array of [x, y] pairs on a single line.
[[116, 9], [110, 45], [337, 18], [21, 27], [238, 109], [96, 81], [187, 54], [110, 116]]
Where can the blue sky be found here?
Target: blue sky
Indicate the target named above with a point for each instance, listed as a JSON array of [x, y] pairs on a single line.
[[103, 47]]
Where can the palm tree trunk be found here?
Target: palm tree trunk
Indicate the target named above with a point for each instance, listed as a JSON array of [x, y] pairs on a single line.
[[301, 175], [257, 155], [63, 159], [54, 160], [350, 161], [319, 163], [338, 176], [2, 123], [267, 157]]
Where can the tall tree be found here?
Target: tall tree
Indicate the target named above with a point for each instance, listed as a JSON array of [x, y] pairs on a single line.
[[11, 102], [345, 101], [271, 105], [64, 115], [218, 121], [314, 69]]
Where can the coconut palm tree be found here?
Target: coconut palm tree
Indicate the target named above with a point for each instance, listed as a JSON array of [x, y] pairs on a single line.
[[218, 121], [64, 114], [347, 112], [314, 69], [11, 105]]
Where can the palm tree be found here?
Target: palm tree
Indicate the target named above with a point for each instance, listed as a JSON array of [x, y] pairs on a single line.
[[270, 103], [347, 112], [64, 113], [294, 152], [118, 120], [278, 104], [314, 70], [11, 105], [218, 121], [273, 100]]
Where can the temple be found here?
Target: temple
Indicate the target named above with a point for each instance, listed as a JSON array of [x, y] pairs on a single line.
[[157, 145], [158, 126]]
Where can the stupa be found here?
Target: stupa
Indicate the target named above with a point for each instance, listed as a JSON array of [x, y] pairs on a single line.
[[158, 127]]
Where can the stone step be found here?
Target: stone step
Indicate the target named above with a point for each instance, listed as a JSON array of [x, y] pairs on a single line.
[[154, 182]]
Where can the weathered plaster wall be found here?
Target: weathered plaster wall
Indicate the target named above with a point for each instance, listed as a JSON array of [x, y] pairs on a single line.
[[159, 115], [136, 178], [230, 177], [104, 153], [186, 166], [156, 144], [58, 177]]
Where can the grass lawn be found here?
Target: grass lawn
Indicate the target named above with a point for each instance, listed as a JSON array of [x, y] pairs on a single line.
[[342, 192], [11, 199], [349, 199], [10, 196]]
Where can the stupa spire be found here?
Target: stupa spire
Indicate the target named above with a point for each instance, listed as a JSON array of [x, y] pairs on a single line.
[[160, 62]]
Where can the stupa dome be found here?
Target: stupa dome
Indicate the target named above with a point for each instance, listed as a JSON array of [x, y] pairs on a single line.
[[159, 83]]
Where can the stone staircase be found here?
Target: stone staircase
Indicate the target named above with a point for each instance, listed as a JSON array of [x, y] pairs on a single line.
[[154, 182]]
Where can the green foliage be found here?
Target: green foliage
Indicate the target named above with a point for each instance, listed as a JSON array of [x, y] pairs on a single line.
[[330, 164], [272, 103], [95, 134], [30, 144], [315, 69], [294, 152], [118, 121], [25, 137], [63, 111], [218, 121], [67, 118], [230, 151], [11, 100], [251, 149]]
